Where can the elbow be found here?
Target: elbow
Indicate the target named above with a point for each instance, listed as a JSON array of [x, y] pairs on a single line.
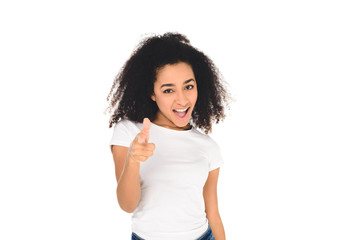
[[128, 200], [127, 208], [129, 211], [128, 205]]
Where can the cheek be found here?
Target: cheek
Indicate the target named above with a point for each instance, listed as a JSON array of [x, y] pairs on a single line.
[[163, 103], [194, 97]]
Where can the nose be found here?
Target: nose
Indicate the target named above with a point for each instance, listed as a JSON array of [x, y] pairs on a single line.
[[181, 98]]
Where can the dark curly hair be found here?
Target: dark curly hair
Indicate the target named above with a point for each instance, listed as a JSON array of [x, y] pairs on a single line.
[[135, 82]]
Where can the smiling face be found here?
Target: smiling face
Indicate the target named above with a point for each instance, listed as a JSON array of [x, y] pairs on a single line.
[[175, 93]]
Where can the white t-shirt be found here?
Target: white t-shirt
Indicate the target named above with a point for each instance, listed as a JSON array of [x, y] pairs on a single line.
[[172, 205]]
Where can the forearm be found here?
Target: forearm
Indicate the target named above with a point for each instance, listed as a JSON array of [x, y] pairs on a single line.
[[128, 189], [217, 227]]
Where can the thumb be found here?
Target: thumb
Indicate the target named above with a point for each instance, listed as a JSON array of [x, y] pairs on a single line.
[[145, 132]]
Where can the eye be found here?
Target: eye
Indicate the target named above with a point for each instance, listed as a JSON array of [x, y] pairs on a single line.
[[167, 91], [188, 87]]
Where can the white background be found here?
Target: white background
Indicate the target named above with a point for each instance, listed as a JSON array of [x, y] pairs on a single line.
[[290, 142]]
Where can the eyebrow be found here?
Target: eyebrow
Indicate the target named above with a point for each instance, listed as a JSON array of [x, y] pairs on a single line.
[[171, 84]]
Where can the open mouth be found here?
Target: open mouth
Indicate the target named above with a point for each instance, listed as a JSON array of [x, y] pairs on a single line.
[[181, 113]]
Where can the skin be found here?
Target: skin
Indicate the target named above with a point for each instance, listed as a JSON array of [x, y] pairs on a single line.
[[211, 205]]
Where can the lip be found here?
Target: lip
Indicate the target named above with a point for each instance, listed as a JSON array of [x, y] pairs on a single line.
[[185, 116], [187, 108]]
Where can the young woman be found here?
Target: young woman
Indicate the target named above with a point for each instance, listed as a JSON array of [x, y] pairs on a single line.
[[166, 167]]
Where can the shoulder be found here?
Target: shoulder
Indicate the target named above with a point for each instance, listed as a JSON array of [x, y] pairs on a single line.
[[126, 125], [211, 149], [124, 132], [205, 138], [126, 128]]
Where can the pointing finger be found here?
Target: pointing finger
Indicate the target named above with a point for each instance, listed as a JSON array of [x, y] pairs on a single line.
[[145, 132]]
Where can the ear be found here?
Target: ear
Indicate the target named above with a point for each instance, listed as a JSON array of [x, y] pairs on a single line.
[[153, 97]]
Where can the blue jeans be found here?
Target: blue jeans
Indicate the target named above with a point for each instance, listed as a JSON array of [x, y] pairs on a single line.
[[208, 235]]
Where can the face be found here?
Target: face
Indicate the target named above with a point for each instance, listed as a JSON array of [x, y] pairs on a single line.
[[175, 93]]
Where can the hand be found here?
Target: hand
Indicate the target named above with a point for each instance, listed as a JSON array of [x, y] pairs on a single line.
[[140, 150]]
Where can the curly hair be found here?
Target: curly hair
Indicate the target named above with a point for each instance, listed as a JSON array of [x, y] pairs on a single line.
[[134, 84]]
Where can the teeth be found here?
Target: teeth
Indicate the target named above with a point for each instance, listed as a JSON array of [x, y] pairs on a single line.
[[181, 110]]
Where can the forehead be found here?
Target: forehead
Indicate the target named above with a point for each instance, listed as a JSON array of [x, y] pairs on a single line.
[[175, 72]]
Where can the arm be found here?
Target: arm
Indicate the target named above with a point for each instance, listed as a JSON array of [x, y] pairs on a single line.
[[211, 205], [127, 175], [127, 168]]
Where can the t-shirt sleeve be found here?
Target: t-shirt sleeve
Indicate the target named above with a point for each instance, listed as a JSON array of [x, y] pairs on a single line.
[[215, 156], [123, 134]]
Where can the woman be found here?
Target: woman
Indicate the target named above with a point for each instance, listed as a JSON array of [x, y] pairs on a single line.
[[166, 168]]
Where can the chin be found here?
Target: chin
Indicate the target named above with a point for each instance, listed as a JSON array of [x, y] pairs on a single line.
[[183, 124]]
